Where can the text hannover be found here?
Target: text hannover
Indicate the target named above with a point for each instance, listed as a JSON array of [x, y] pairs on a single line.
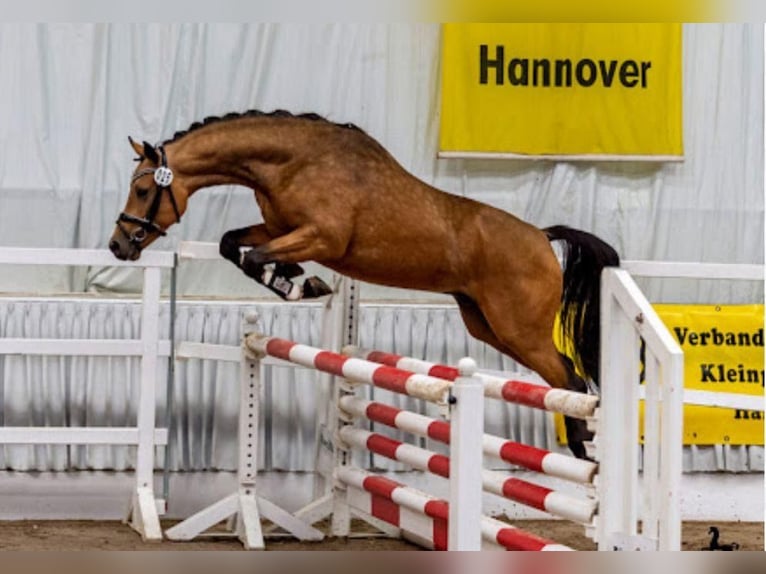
[[544, 72]]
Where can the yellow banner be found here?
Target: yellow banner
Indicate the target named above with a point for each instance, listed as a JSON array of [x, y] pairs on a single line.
[[575, 90], [723, 351]]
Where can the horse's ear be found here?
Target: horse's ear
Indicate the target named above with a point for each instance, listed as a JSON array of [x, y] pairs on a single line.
[[137, 147], [150, 153]]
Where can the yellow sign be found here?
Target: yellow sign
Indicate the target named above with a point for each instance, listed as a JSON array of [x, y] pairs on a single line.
[[574, 90], [723, 351]]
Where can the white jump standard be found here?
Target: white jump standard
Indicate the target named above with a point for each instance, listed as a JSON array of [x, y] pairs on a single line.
[[245, 507]]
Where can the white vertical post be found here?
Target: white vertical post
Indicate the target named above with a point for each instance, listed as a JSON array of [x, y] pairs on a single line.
[[333, 337], [144, 509], [617, 435], [248, 519], [671, 452], [465, 486], [651, 504]]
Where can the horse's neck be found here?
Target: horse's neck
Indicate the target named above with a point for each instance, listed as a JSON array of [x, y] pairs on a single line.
[[236, 155]]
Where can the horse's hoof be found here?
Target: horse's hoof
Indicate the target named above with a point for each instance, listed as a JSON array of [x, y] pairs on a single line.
[[577, 434], [314, 287]]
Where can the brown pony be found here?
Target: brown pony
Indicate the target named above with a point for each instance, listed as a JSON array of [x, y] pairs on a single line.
[[332, 194]]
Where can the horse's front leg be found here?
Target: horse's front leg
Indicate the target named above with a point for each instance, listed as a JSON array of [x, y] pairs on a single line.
[[278, 277]]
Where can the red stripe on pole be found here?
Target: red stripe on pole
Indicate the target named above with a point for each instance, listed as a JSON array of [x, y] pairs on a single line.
[[382, 506], [439, 464], [444, 372], [380, 485], [330, 362], [526, 493], [391, 379], [438, 509], [513, 539], [381, 413], [439, 535], [439, 430], [383, 445], [523, 455], [383, 358], [385, 509], [279, 348], [525, 394]]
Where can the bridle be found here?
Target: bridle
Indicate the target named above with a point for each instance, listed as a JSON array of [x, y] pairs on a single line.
[[163, 177]]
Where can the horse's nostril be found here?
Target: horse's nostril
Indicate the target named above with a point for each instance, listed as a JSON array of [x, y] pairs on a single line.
[[114, 246]]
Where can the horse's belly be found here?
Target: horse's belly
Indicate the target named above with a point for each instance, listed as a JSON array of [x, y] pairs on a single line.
[[402, 272]]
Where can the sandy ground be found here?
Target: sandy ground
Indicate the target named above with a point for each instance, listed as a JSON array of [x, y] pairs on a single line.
[[91, 535]]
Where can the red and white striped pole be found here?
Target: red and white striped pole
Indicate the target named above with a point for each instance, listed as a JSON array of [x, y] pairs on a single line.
[[355, 370], [530, 394]]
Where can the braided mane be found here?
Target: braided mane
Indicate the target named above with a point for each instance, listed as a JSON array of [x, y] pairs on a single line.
[[252, 114]]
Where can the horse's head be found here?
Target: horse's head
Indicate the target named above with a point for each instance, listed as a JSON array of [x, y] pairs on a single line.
[[155, 202]]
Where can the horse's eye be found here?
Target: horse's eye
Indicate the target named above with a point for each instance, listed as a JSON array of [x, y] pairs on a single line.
[[141, 192]]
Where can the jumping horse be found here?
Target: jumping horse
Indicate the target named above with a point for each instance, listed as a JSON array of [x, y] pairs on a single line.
[[332, 194]]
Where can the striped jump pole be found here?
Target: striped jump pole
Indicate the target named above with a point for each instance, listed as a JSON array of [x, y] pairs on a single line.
[[521, 491], [405, 507], [529, 457], [421, 386], [570, 403]]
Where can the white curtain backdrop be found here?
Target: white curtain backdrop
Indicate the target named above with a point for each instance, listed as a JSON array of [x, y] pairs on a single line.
[[72, 93]]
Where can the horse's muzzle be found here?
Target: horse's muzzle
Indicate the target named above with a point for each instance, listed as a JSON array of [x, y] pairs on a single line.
[[124, 250]]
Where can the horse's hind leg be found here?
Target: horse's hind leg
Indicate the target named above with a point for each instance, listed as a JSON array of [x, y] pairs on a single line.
[[526, 329], [278, 279], [477, 324]]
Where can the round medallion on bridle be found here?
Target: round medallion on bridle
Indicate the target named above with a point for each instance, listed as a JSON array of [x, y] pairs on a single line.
[[163, 176]]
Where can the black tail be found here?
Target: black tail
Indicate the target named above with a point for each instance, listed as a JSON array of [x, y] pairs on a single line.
[[585, 256]]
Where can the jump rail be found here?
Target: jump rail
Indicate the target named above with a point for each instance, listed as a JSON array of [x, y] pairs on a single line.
[[530, 393]]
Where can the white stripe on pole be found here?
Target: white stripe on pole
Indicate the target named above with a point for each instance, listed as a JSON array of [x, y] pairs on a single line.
[[303, 354], [570, 468], [428, 388], [565, 506], [414, 365], [359, 370]]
